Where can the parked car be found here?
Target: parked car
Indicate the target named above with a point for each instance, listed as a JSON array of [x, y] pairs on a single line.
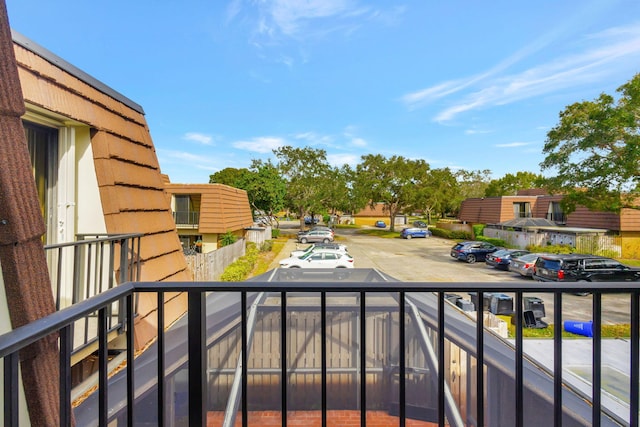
[[472, 251], [318, 227], [409, 233], [420, 224], [380, 224], [317, 247], [320, 259], [309, 220], [523, 264], [580, 267], [316, 236], [502, 258]]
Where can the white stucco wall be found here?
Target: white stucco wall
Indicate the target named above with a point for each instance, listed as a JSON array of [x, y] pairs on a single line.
[[90, 218]]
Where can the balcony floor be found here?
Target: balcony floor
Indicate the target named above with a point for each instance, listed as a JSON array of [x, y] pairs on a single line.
[[312, 419]]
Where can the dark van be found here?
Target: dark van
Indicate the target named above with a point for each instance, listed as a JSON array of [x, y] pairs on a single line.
[[577, 267]]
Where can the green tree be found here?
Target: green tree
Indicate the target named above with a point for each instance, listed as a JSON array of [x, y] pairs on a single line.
[[307, 174], [266, 188], [232, 177], [395, 182], [436, 195], [594, 152], [471, 184], [510, 184]]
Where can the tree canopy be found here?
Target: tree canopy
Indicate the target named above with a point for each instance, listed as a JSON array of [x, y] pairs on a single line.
[[594, 152], [394, 182], [510, 184], [307, 174]]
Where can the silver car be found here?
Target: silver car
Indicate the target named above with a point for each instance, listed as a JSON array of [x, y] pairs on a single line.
[[314, 247], [523, 264], [316, 236]]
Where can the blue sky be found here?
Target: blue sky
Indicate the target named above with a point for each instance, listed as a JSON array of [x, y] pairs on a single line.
[[461, 84]]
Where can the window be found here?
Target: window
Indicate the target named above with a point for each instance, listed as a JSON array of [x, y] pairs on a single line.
[[555, 213], [522, 210], [43, 150], [185, 212]]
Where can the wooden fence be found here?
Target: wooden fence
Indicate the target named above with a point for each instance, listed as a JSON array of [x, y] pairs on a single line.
[[210, 266]]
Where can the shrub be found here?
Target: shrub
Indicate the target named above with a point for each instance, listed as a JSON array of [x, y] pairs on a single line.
[[275, 233], [266, 246], [238, 270], [478, 229], [492, 240], [461, 235], [551, 249], [441, 232], [228, 238]]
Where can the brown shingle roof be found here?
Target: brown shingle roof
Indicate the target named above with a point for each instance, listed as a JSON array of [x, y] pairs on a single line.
[[24, 268], [222, 208]]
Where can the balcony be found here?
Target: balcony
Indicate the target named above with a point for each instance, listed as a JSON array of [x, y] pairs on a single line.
[[330, 348], [186, 219], [87, 267]]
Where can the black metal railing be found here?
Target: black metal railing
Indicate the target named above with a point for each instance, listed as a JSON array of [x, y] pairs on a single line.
[[186, 218], [87, 267], [410, 305]]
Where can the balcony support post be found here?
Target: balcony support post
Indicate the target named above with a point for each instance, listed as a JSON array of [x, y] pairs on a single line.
[[519, 362], [635, 360], [161, 362], [197, 359], [66, 347], [597, 360], [11, 389], [480, 360], [557, 359]]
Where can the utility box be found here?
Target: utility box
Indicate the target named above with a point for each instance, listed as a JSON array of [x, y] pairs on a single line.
[[536, 305], [486, 300], [465, 305], [501, 304]]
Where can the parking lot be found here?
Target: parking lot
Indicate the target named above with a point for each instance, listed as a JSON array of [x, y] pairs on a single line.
[[428, 260]]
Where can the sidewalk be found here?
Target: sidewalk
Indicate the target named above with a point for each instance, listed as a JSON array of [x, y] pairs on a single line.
[[290, 245]]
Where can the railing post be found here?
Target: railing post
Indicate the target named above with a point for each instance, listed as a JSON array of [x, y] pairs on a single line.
[[66, 347], [635, 362], [557, 359], [11, 390], [161, 363], [197, 358], [480, 360]]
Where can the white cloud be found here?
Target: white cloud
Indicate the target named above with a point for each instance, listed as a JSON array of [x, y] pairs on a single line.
[[616, 50], [476, 132], [262, 144], [343, 159], [198, 137], [513, 144], [359, 142]]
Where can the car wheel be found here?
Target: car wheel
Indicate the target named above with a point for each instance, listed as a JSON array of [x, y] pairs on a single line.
[[303, 240], [471, 258], [325, 240], [409, 236]]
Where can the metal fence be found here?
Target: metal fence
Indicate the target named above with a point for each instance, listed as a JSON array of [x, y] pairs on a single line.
[[497, 386], [87, 267]]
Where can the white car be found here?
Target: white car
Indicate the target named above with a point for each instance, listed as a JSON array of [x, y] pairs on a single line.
[[321, 259], [317, 247]]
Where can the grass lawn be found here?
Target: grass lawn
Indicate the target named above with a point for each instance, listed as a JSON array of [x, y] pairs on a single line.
[[608, 331], [380, 232]]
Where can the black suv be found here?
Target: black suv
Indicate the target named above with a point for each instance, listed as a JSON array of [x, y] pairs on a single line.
[[576, 267]]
